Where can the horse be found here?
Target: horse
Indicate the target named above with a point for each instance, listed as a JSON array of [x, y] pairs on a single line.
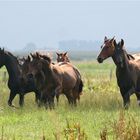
[[127, 69], [62, 57], [53, 80], [15, 82]]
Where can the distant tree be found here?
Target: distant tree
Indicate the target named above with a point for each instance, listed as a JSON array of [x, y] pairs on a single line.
[[79, 45]]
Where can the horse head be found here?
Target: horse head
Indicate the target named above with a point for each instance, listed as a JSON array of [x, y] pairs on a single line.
[[62, 57], [108, 49]]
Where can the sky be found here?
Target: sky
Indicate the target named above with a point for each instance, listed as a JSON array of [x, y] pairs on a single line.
[[45, 23]]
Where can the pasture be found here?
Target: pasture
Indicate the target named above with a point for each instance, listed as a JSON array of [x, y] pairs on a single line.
[[99, 115]]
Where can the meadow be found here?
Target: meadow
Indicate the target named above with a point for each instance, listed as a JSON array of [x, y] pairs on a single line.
[[98, 116]]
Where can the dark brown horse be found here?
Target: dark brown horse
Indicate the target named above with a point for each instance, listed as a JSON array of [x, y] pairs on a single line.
[[127, 68], [15, 81], [62, 57], [53, 80]]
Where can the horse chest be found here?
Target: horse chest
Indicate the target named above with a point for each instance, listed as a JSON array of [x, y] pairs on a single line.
[[13, 85], [124, 79]]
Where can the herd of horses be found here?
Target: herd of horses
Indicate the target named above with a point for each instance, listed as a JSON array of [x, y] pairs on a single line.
[[37, 73]]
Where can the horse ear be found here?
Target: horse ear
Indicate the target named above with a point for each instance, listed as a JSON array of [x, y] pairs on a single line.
[[115, 43], [29, 58], [65, 53], [3, 50], [130, 57], [32, 55], [38, 55], [57, 53], [122, 43], [112, 39], [105, 38]]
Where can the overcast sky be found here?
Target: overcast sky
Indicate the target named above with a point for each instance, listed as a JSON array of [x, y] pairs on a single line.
[[47, 22]]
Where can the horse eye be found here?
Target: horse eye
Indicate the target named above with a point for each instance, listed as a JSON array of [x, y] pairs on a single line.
[[106, 48]]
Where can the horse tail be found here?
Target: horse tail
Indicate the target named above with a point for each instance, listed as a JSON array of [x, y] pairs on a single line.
[[80, 88], [81, 85]]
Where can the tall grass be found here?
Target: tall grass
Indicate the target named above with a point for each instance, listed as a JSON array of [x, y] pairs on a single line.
[[97, 116], [122, 129]]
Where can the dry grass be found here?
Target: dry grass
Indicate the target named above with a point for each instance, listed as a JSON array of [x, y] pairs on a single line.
[[122, 129]]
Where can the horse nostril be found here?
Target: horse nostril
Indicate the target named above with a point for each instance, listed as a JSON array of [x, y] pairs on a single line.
[[99, 59]]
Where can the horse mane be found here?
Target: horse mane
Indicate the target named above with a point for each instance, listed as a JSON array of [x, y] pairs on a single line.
[[130, 57], [45, 57], [10, 54]]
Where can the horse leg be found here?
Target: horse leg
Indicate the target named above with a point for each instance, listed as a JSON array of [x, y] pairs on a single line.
[[57, 98], [74, 95], [51, 99], [51, 102], [126, 98], [11, 97], [74, 101], [58, 90], [57, 93], [70, 97], [138, 97], [126, 93], [21, 100], [41, 100], [37, 97], [126, 101], [69, 100]]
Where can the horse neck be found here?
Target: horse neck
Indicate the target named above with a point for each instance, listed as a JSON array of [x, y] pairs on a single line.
[[12, 66], [48, 73], [125, 62]]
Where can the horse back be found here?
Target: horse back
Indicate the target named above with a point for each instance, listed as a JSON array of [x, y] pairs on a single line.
[[66, 75]]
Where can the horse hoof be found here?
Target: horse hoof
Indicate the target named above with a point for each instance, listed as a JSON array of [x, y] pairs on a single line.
[[10, 104], [13, 106], [126, 107]]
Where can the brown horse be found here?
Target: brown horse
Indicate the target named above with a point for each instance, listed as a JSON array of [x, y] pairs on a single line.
[[127, 68], [52, 80], [62, 57]]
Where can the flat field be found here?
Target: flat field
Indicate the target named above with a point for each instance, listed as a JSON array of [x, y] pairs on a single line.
[[99, 115]]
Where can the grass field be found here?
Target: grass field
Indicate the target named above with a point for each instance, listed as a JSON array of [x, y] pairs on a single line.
[[99, 115]]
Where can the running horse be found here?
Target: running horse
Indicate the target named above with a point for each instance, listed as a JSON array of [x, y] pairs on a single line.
[[15, 81], [127, 68], [53, 80]]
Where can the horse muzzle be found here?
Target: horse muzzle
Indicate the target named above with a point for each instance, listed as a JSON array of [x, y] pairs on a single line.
[[100, 60]]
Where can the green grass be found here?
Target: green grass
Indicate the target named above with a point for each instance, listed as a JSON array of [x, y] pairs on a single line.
[[100, 107]]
